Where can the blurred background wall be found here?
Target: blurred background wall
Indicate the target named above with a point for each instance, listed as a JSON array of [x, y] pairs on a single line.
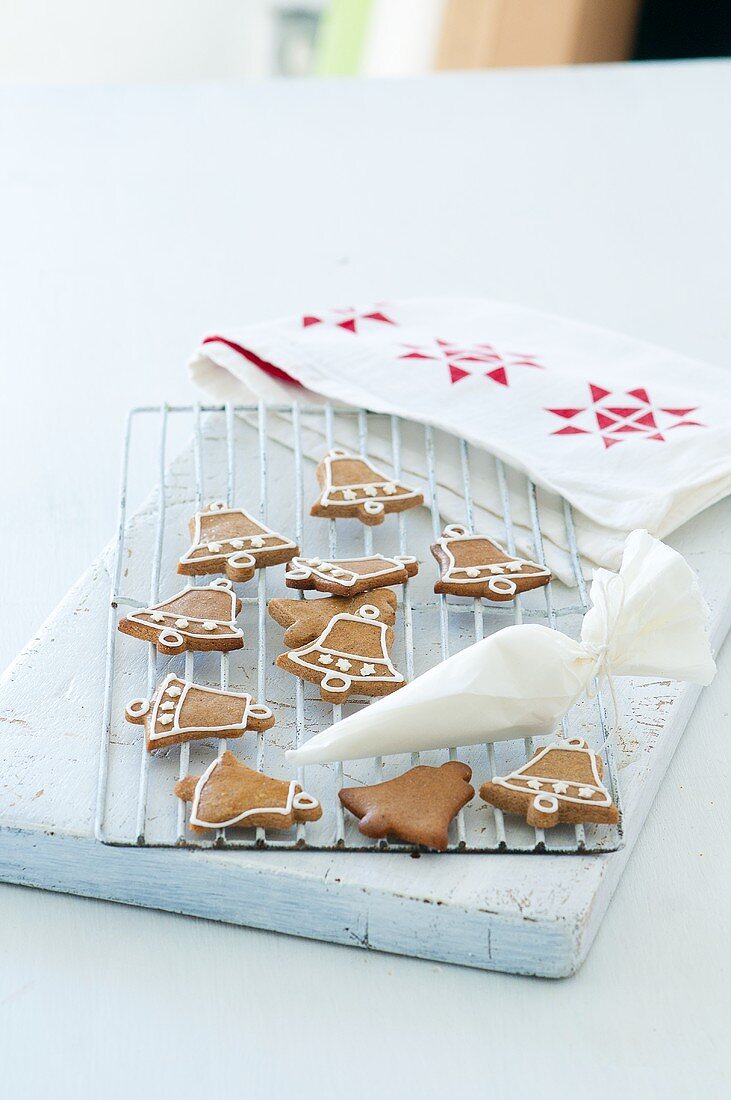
[[78, 41]]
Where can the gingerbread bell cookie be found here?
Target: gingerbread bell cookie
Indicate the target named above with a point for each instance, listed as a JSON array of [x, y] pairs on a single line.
[[229, 540], [183, 711], [231, 794], [195, 618], [351, 487], [416, 807], [473, 565], [349, 576], [349, 657], [562, 782], [306, 619]]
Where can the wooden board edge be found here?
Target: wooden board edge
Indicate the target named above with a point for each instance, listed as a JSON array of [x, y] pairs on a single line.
[[332, 911]]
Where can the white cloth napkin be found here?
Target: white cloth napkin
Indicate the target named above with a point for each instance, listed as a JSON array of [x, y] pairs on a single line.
[[630, 434], [649, 619]]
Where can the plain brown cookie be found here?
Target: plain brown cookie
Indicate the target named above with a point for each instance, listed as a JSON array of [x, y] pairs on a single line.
[[561, 782], [351, 487], [229, 540], [473, 565], [229, 794], [183, 711], [416, 807], [349, 657], [201, 618], [305, 619], [349, 576]]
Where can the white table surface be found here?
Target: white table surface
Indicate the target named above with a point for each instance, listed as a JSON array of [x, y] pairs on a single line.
[[132, 220]]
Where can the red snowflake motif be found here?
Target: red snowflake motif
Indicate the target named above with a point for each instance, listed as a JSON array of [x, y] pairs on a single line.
[[348, 318], [616, 423], [465, 361]]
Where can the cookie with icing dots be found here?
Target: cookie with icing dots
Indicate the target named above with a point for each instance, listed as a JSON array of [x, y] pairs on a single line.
[[474, 565], [183, 711], [231, 795], [349, 576], [202, 618], [229, 540], [417, 806], [352, 487], [561, 782], [349, 657], [305, 619]]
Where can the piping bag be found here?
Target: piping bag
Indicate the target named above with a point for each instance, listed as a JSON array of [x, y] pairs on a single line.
[[648, 619]]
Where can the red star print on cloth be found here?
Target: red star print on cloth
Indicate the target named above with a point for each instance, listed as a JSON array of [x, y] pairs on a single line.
[[348, 318], [476, 359], [615, 421]]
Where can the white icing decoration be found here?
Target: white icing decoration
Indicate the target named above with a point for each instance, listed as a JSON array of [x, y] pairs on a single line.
[[323, 654], [306, 568], [182, 623], [202, 550], [137, 708], [181, 689], [545, 803], [173, 639], [502, 585], [516, 780], [295, 800], [380, 490], [498, 583]]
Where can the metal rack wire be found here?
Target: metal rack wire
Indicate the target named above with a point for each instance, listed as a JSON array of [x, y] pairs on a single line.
[[478, 828]]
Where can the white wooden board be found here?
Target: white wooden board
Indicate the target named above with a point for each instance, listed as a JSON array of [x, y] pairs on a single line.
[[527, 914]]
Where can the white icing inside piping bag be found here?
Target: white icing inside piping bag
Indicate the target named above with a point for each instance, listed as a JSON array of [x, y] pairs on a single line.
[[649, 619]]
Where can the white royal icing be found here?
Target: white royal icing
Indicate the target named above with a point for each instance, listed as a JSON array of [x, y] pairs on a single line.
[[179, 689], [305, 568], [497, 574], [549, 803], [372, 495], [264, 542], [295, 801], [173, 628], [344, 679]]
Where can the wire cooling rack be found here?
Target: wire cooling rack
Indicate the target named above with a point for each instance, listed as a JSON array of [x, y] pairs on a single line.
[[233, 457]]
